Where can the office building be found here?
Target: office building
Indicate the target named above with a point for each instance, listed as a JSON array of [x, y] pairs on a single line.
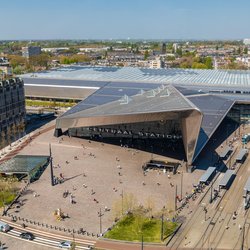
[[12, 110], [31, 51]]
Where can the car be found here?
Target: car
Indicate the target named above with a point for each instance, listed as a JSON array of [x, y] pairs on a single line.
[[65, 244], [27, 236], [4, 227]]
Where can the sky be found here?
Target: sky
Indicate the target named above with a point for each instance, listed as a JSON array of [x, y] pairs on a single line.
[[124, 19]]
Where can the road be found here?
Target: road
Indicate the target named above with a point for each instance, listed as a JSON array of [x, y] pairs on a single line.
[[45, 239]]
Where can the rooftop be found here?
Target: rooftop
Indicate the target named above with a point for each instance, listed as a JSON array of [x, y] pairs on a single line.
[[130, 74]]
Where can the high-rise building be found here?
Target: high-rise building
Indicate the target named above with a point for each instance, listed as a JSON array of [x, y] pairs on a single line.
[[31, 51], [12, 110], [163, 48]]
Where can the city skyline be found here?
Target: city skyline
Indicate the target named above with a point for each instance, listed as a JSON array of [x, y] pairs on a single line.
[[148, 19]]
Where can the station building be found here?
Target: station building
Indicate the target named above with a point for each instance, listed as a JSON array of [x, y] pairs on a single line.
[[159, 107]]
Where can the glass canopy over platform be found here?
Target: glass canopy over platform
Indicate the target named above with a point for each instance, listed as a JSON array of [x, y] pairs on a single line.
[[30, 165]]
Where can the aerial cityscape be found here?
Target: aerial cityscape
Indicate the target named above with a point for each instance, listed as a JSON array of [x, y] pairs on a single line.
[[125, 125]]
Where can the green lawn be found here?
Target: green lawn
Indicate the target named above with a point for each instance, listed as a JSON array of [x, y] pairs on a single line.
[[39, 103], [6, 197], [8, 190], [131, 226]]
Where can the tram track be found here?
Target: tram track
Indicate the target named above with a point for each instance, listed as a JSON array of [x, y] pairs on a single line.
[[230, 202]]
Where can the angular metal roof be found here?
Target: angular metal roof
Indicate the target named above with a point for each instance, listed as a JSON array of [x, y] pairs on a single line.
[[214, 109], [164, 98]]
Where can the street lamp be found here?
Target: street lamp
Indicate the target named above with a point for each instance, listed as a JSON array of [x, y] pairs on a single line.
[[142, 241], [51, 166], [211, 194], [152, 152], [162, 227], [100, 216], [175, 199], [73, 235], [205, 210], [122, 201], [181, 183]]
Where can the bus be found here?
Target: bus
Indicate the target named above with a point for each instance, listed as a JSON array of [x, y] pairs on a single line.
[[245, 138]]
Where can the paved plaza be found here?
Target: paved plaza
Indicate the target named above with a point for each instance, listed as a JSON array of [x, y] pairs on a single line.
[[96, 175]]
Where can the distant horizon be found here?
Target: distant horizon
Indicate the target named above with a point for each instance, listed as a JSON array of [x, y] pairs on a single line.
[[135, 19], [125, 40]]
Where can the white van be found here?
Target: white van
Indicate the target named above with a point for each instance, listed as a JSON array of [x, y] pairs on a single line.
[[4, 227]]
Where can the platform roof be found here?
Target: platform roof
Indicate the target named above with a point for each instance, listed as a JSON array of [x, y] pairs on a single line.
[[205, 177], [226, 178], [226, 150], [241, 154], [173, 76], [247, 186]]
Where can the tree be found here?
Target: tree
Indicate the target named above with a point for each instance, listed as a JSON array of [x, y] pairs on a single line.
[[14, 131], [2, 139], [146, 55], [21, 128], [170, 58], [179, 52], [18, 70], [245, 50], [16, 60], [9, 134], [239, 51], [197, 65], [209, 62], [41, 60]]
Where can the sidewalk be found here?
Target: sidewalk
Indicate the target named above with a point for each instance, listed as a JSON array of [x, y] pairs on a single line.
[[119, 245], [11, 150]]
